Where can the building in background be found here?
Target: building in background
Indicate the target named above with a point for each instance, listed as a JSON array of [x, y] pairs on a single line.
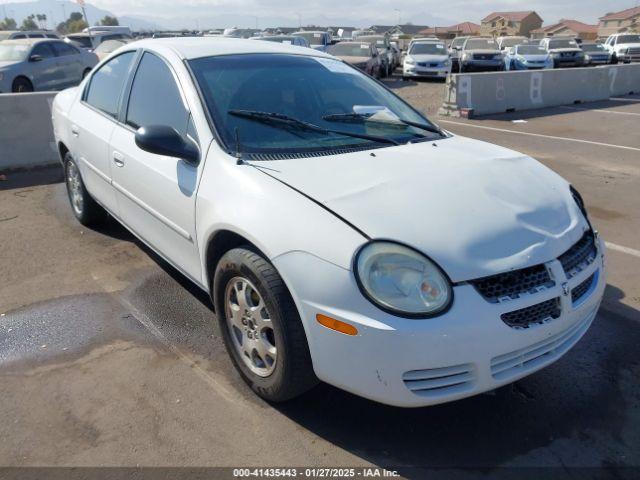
[[453, 31], [499, 24], [620, 22], [567, 28]]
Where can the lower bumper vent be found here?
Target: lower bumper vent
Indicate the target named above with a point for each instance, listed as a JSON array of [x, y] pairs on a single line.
[[436, 382]]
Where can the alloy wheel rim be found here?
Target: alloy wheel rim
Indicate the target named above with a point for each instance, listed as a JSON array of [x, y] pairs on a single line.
[[250, 326], [74, 187]]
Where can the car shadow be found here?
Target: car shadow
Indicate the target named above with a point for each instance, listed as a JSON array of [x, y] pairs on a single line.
[[514, 425], [32, 177]]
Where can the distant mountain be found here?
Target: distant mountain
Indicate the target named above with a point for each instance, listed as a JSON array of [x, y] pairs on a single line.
[[138, 23]]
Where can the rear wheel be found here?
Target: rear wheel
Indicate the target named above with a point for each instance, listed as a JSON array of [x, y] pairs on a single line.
[[84, 207], [261, 326], [22, 85]]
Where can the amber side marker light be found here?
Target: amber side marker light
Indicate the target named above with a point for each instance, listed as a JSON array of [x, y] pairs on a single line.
[[336, 325]]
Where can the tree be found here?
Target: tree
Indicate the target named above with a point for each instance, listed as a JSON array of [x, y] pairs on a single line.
[[42, 20], [75, 23], [8, 24], [109, 21], [29, 23]]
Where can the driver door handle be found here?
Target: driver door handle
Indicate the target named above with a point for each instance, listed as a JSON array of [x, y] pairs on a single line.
[[118, 159], [75, 131]]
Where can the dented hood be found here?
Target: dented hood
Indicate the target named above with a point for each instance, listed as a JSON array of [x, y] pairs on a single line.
[[474, 208]]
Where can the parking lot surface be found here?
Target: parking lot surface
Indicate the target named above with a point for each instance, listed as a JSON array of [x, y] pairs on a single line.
[[110, 357]]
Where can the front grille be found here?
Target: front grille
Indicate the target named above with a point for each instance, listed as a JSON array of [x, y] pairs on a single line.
[[437, 382], [580, 256], [483, 56], [534, 314], [580, 291], [510, 285], [568, 54], [634, 51]]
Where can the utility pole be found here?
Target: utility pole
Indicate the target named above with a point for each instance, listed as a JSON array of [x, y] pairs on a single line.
[[399, 16]]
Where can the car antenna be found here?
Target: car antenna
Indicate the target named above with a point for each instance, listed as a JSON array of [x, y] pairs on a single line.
[[238, 154]]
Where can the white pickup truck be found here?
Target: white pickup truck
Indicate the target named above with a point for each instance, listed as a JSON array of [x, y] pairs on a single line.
[[624, 47]]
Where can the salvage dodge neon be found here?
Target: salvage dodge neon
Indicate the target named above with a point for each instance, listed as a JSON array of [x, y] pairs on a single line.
[[342, 236]]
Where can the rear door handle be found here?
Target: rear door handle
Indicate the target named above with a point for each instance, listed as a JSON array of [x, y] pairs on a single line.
[[118, 159], [75, 131]]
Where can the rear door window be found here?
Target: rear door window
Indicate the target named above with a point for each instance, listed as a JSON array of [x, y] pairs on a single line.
[[107, 84], [44, 50]]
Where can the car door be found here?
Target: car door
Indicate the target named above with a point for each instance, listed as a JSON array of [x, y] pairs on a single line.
[[70, 63], [156, 194], [93, 121], [44, 67]]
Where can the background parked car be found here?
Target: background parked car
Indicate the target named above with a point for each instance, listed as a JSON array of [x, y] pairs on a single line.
[[90, 41], [286, 39], [564, 51], [508, 42], [106, 48], [316, 40], [361, 55], [454, 52], [595, 54], [480, 54], [383, 45], [624, 47], [42, 64], [22, 34], [527, 57], [426, 58]]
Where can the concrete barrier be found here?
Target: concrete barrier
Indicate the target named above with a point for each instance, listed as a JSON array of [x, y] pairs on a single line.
[[498, 92], [26, 135]]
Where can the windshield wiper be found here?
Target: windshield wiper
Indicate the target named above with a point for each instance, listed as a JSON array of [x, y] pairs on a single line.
[[363, 117], [282, 119]]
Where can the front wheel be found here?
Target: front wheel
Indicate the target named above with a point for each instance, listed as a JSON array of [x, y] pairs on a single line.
[[21, 85], [84, 207], [261, 327]]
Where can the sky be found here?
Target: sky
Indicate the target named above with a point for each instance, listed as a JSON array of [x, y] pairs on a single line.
[[249, 13]]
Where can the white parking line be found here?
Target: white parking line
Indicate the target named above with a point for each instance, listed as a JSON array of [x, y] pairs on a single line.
[[567, 107], [566, 139], [620, 248]]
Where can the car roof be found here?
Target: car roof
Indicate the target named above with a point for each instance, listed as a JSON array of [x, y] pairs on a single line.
[[197, 47], [29, 41]]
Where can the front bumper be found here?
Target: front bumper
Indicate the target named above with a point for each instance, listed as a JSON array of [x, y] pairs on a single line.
[[629, 57], [414, 363], [438, 71]]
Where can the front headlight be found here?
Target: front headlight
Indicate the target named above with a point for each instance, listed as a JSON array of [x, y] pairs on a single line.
[[465, 56], [409, 61], [446, 63], [402, 281]]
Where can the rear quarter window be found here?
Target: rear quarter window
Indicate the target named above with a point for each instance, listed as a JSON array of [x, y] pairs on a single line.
[[107, 83]]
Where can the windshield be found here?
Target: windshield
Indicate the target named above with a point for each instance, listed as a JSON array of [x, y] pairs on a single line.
[[481, 44], [314, 38], [458, 42], [427, 49], [530, 50], [512, 42], [564, 43], [321, 91], [351, 49], [85, 41], [13, 53], [629, 39], [594, 47]]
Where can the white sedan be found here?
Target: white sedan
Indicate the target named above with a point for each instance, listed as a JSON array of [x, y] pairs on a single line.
[[343, 236]]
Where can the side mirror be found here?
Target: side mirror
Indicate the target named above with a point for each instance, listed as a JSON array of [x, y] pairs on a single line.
[[35, 58], [163, 140]]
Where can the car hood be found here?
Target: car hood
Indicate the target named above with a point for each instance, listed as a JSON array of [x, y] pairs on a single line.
[[8, 64], [474, 208], [564, 50], [429, 58], [485, 51], [534, 58], [350, 59]]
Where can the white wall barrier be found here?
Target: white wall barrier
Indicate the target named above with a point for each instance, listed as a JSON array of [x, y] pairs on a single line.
[[498, 92], [26, 135]]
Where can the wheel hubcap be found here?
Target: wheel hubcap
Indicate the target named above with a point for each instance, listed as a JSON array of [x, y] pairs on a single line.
[[74, 187], [250, 326]]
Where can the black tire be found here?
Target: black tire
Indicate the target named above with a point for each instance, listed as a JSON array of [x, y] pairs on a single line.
[[86, 210], [22, 85], [293, 372]]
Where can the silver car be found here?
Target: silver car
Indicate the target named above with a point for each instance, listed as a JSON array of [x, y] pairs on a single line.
[[41, 65]]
